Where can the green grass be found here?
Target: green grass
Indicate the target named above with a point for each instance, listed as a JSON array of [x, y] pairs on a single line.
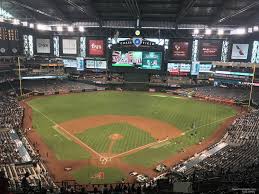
[[158, 154], [62, 147], [85, 175], [182, 113], [132, 137]]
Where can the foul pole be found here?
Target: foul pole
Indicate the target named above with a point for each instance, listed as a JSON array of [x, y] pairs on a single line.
[[20, 77], [251, 88]]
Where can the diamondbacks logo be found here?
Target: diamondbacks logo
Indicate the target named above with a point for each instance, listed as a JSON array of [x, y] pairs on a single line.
[[137, 41], [96, 47]]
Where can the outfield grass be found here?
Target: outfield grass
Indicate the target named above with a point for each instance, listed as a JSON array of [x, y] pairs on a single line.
[[132, 137], [87, 175], [160, 153], [182, 113]]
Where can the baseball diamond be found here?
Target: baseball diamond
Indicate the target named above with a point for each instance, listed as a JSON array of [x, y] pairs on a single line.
[[110, 132]]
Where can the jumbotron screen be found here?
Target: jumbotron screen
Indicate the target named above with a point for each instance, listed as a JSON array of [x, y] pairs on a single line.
[[138, 59]]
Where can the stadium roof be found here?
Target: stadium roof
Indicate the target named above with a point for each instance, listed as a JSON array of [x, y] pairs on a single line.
[[124, 13]]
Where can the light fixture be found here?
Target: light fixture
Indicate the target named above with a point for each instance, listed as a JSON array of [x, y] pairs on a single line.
[[208, 31], [220, 32], [48, 28], [59, 28], [137, 32], [16, 22], [238, 31], [41, 27], [70, 28], [250, 30], [31, 25], [256, 28], [81, 29], [24, 24], [196, 31]]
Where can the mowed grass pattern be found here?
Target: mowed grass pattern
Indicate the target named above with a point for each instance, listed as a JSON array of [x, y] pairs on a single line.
[[182, 113], [98, 138], [87, 175], [159, 153], [64, 148]]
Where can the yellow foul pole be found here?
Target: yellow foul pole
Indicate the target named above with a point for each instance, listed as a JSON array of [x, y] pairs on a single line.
[[20, 77], [251, 88]]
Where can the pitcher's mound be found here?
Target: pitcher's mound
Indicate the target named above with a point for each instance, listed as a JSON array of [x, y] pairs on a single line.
[[116, 136]]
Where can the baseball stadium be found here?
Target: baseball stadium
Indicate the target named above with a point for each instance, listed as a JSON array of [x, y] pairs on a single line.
[[129, 97]]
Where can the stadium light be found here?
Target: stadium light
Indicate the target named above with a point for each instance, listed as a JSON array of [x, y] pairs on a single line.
[[250, 30], [137, 32], [70, 28], [255, 28], [59, 28], [81, 29], [31, 25], [16, 22], [196, 31], [208, 31], [41, 27], [238, 31], [24, 24], [220, 32]]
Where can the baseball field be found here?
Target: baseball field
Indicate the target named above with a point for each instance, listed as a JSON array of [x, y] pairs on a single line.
[[101, 136]]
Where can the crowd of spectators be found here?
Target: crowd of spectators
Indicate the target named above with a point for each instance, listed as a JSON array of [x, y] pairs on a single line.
[[7, 76], [222, 94], [11, 113], [238, 162], [49, 87], [14, 163]]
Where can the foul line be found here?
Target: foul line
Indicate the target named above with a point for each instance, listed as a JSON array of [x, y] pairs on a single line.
[[78, 141], [188, 131], [139, 148], [67, 133]]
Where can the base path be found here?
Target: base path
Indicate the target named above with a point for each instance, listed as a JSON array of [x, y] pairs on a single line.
[[56, 167], [156, 128]]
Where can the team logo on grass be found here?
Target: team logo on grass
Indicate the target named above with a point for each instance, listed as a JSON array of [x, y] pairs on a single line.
[[99, 175]]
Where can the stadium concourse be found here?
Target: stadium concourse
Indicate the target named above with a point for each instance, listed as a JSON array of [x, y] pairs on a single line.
[[129, 96]]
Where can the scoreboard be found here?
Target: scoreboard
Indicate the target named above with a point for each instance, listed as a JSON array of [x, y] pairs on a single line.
[[8, 34], [9, 41]]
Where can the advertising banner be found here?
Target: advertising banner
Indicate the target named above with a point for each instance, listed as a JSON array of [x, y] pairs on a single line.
[[195, 68], [210, 50], [92, 64], [205, 68], [173, 68], [69, 46], [80, 63], [96, 48], [180, 50], [240, 51], [101, 64], [43, 46]]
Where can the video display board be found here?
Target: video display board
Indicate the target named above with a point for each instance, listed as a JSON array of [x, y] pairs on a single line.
[[9, 41], [182, 69], [137, 59], [69, 46], [180, 50], [77, 63], [240, 51], [96, 47], [43, 46], [210, 50], [95, 64]]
